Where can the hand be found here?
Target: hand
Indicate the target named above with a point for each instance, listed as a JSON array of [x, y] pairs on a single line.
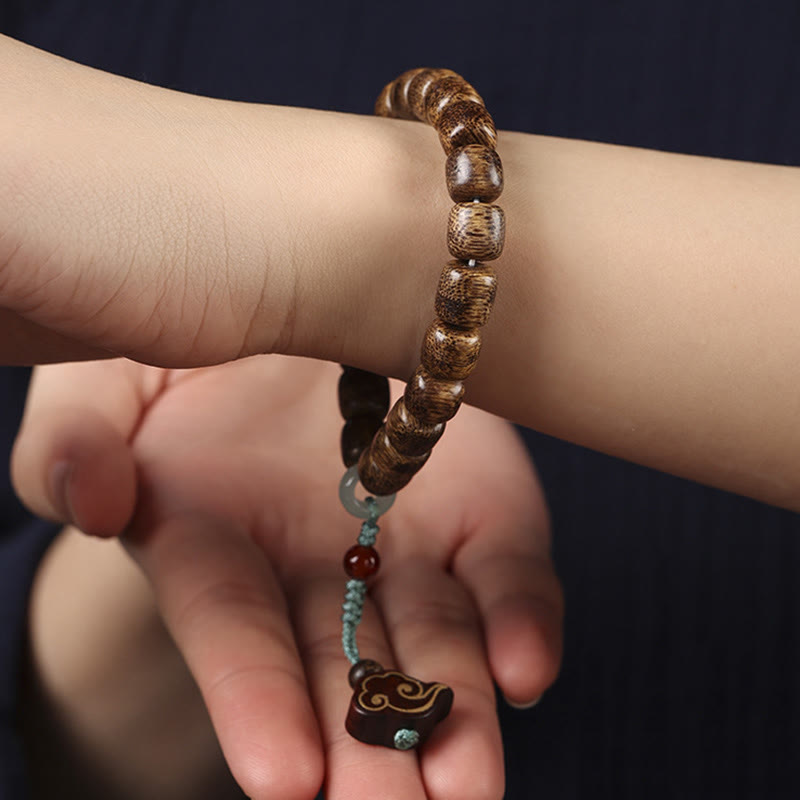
[[225, 480]]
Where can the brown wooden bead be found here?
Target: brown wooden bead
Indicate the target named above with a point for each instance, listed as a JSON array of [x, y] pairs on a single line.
[[357, 434], [400, 106], [363, 393], [432, 400], [383, 105], [466, 294], [450, 89], [465, 122], [361, 562], [476, 231], [382, 470], [419, 87], [408, 435], [449, 352], [361, 669], [474, 171]]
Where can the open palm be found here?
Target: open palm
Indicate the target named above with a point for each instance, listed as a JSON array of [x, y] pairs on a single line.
[[231, 476]]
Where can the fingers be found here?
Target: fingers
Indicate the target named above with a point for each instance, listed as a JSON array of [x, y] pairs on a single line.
[[356, 771], [436, 633], [225, 610], [71, 461]]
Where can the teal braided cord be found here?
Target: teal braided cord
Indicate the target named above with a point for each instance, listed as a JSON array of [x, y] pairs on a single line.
[[355, 590], [406, 738]]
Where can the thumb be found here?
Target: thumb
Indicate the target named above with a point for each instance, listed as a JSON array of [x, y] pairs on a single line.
[[71, 461]]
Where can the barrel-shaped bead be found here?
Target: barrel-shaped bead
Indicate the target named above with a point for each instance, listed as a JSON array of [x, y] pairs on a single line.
[[357, 433], [476, 231], [363, 393], [408, 435], [383, 105], [465, 294], [448, 352], [382, 470], [474, 172], [400, 106], [447, 90], [419, 87], [430, 399], [465, 122]]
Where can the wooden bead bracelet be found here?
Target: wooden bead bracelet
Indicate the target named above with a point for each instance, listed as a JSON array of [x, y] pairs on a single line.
[[388, 707]]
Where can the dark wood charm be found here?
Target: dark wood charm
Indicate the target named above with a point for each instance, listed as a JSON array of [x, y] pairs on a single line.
[[450, 353], [362, 393], [407, 434], [382, 470], [432, 400], [466, 294], [450, 89], [474, 171], [419, 87], [357, 433], [465, 122], [476, 231], [389, 701]]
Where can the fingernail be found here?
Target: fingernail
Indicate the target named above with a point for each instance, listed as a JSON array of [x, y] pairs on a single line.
[[60, 474], [523, 706]]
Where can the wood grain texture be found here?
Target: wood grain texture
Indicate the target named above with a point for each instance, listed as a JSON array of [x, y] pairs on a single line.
[[408, 435], [400, 105], [362, 393], [465, 294], [448, 352], [357, 434], [383, 105], [465, 122], [432, 400], [420, 86], [447, 90], [476, 231], [474, 171], [382, 470]]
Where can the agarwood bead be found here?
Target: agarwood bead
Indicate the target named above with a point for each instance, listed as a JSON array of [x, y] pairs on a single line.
[[382, 470], [408, 435], [465, 294], [432, 400], [448, 352], [419, 87], [361, 562], [400, 106], [450, 89], [474, 171], [476, 231], [465, 122], [383, 105], [363, 393], [357, 433]]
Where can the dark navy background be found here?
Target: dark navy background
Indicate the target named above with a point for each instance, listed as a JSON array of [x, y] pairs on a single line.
[[682, 666]]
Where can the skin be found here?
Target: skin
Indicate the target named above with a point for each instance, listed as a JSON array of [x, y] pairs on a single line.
[[237, 526]]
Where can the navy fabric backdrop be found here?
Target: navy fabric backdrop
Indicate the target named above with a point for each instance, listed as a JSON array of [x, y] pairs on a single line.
[[682, 666]]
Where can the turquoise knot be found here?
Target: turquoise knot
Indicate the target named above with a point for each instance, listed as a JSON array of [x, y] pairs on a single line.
[[406, 739]]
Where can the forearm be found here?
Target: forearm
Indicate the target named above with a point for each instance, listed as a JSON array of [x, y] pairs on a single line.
[[647, 301]]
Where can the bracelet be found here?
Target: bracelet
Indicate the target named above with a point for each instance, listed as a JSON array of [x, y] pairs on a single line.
[[388, 707]]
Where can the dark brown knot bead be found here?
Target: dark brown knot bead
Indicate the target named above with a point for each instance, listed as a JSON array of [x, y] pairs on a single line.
[[419, 87], [363, 393], [450, 353], [361, 669], [357, 433], [474, 171], [476, 231], [432, 400], [408, 435], [465, 294], [382, 470], [447, 90], [361, 562], [465, 122]]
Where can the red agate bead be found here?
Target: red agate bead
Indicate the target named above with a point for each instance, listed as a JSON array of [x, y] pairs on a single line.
[[361, 562]]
